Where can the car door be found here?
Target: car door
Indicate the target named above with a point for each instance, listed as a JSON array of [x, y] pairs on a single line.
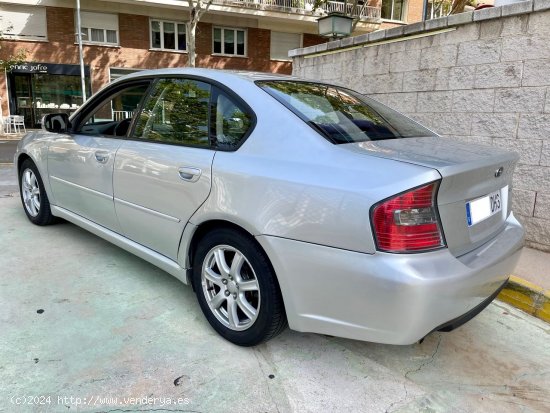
[[81, 163], [163, 173]]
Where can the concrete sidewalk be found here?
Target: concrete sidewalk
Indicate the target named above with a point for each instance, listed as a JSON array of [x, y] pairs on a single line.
[[529, 286], [83, 321]]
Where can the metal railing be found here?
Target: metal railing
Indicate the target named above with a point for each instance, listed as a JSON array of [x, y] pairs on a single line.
[[119, 115], [305, 7]]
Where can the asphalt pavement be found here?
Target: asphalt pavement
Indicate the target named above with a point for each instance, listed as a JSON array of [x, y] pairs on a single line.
[[7, 150]]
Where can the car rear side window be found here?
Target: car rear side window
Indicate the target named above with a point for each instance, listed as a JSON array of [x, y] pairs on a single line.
[[231, 121], [341, 115], [176, 112]]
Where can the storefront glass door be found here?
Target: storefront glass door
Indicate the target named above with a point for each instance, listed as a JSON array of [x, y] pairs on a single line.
[[24, 97]]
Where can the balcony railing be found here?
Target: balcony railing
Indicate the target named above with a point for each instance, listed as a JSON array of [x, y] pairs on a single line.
[[305, 7]]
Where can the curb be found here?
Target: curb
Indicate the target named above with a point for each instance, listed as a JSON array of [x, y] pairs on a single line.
[[11, 137], [528, 297]]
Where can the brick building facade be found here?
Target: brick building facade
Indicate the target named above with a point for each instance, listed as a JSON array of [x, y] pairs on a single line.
[[48, 36]]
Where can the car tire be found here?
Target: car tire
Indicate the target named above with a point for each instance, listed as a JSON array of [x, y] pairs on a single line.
[[242, 301], [33, 195]]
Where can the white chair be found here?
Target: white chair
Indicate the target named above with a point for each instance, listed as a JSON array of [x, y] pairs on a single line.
[[6, 124], [17, 122]]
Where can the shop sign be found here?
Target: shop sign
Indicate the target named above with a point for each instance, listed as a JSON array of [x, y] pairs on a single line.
[[49, 68], [29, 68]]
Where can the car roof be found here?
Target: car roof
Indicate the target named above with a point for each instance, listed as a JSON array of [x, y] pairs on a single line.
[[215, 74]]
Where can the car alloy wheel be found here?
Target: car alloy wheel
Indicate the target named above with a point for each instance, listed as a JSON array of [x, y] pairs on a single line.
[[30, 192], [231, 287]]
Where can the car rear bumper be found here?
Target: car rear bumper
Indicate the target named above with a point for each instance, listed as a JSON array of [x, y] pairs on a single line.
[[388, 298]]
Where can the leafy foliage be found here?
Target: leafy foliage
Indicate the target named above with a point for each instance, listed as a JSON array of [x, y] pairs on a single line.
[[8, 60]]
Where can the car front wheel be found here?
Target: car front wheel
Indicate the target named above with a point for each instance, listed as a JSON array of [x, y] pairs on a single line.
[[237, 289], [33, 195]]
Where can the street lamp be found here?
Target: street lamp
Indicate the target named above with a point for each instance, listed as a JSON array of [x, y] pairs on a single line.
[[335, 25]]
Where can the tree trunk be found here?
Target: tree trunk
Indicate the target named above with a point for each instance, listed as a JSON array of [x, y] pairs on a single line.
[[191, 36]]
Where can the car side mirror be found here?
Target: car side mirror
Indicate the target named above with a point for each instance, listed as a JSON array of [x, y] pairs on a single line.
[[56, 123]]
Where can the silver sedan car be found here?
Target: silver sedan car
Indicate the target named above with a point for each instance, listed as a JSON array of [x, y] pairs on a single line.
[[281, 200]]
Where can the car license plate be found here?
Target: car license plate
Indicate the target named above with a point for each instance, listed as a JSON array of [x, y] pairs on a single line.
[[483, 208]]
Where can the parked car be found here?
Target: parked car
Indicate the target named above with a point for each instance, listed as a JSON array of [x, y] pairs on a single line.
[[282, 199]]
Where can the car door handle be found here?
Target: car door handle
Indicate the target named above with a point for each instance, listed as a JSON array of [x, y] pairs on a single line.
[[102, 157], [190, 174]]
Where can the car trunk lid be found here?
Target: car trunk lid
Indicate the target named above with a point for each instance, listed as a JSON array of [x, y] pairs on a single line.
[[469, 172]]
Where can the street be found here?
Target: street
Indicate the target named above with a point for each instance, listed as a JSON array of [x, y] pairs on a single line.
[[7, 149], [8, 178], [85, 322]]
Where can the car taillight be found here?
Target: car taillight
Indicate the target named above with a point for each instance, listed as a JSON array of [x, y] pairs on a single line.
[[408, 222]]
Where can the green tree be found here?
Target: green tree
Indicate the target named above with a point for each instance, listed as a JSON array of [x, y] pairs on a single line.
[[7, 59]]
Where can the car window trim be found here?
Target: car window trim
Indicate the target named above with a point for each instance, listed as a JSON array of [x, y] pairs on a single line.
[[101, 98], [213, 84]]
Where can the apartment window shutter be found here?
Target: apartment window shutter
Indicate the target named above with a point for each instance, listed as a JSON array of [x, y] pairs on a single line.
[[281, 43], [23, 22], [99, 20]]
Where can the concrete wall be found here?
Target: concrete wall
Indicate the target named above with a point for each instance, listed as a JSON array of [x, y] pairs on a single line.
[[481, 77]]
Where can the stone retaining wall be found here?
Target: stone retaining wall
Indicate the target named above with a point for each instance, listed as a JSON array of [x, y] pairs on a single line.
[[480, 77]]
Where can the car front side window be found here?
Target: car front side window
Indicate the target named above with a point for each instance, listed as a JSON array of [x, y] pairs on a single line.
[[113, 115], [176, 112]]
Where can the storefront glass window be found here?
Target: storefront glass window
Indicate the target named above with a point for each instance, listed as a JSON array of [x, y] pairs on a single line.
[[39, 94]]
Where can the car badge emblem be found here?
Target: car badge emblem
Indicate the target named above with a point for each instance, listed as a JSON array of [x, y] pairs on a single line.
[[499, 172]]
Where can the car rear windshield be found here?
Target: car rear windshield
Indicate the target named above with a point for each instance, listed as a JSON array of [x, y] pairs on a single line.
[[341, 115]]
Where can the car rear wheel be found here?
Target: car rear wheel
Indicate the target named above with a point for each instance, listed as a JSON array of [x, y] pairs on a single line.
[[237, 288], [33, 195]]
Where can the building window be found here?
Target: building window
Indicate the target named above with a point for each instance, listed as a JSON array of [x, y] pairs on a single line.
[[229, 42], [394, 9], [99, 28], [281, 43], [438, 9], [23, 22], [168, 35]]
